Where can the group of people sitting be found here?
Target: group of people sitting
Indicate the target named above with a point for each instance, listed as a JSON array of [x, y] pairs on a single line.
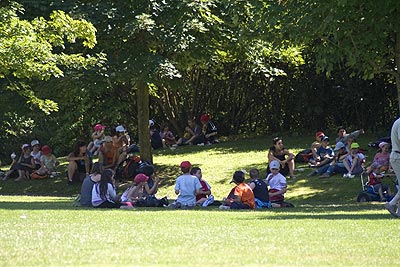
[[34, 162], [99, 190]]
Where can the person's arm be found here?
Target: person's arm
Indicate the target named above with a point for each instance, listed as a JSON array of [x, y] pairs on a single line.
[[153, 189], [112, 192], [71, 157], [252, 185], [87, 164]]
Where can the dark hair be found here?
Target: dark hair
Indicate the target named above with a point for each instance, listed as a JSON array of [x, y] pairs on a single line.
[[340, 128], [238, 177], [78, 145], [185, 170], [106, 178], [194, 170], [97, 168], [276, 140], [254, 173]]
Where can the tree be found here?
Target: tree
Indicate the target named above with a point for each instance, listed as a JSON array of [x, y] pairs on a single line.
[[34, 49], [362, 37]]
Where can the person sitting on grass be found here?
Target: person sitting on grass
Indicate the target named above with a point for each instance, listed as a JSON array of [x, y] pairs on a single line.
[[260, 191], [204, 198], [375, 178], [353, 162], [104, 194], [193, 134], [381, 158], [337, 165], [49, 162], [187, 187], [167, 136], [277, 184], [241, 196], [285, 158], [108, 155], [79, 163], [325, 155], [88, 182], [26, 164], [36, 153], [317, 143], [342, 135], [135, 191], [97, 139], [209, 130]]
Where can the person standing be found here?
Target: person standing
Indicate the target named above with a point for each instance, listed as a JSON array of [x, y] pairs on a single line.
[[395, 163]]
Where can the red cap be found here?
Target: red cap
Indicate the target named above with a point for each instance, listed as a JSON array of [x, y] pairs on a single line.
[[141, 178], [46, 150], [99, 127], [186, 164], [205, 117], [319, 134]]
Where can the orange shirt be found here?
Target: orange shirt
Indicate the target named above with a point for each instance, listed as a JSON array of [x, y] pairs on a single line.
[[244, 192]]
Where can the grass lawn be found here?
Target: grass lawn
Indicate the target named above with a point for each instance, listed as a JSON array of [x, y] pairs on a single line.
[[326, 228]]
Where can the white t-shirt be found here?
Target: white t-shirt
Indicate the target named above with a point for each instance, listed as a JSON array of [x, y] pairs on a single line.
[[277, 181], [111, 194], [395, 137]]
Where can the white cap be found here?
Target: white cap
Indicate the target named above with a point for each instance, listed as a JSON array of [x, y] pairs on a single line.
[[274, 165], [120, 129], [151, 123], [34, 143]]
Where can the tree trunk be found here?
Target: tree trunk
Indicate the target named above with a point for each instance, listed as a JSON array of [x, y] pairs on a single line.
[[143, 121], [397, 71]]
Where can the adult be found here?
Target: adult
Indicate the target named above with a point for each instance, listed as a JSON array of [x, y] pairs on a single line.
[[395, 163], [187, 187], [193, 134], [88, 183], [36, 153], [209, 130], [121, 142], [285, 158], [342, 134], [78, 163]]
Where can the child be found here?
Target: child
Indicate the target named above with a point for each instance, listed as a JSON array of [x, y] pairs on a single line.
[[353, 162], [204, 198], [48, 162], [375, 181], [381, 158], [36, 153], [134, 192], [337, 165], [26, 164], [167, 136], [241, 196], [187, 187], [260, 190], [277, 183], [104, 194], [98, 139]]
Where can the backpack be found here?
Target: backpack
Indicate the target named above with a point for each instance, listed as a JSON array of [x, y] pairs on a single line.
[[303, 156], [127, 169]]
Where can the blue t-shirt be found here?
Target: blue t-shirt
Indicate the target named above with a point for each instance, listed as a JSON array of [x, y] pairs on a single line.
[[187, 185], [322, 151]]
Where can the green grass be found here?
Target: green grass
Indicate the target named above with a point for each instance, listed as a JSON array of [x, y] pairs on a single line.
[[326, 228]]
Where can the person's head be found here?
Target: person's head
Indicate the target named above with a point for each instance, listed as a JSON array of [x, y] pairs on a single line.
[[140, 178], [319, 135], [354, 148], [274, 167], [46, 150], [341, 131], [97, 168], [196, 171], [238, 177], [35, 145], [98, 127], [204, 119], [80, 148], [325, 141], [254, 174], [277, 142], [192, 122], [339, 147], [120, 130], [384, 147], [185, 166], [108, 142], [146, 168], [26, 148]]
